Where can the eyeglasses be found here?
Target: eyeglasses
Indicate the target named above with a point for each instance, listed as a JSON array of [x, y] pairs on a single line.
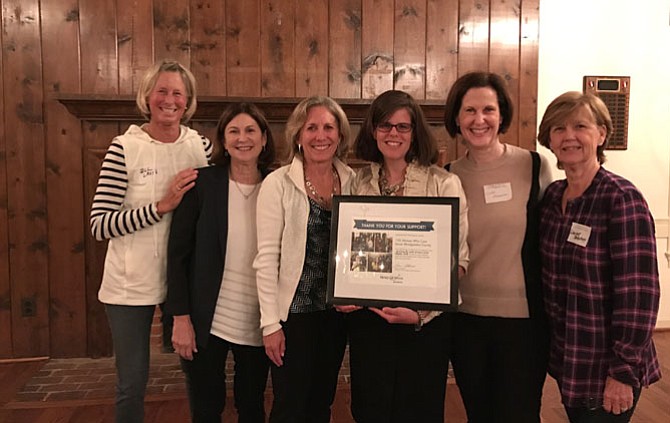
[[400, 127]]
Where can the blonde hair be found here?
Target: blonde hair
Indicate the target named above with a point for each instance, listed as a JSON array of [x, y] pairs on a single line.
[[149, 82], [297, 120], [565, 105]]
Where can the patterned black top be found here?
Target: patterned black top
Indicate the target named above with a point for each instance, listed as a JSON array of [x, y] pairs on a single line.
[[311, 292]]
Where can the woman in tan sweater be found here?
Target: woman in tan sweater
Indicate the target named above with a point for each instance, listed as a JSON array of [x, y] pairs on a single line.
[[499, 350]]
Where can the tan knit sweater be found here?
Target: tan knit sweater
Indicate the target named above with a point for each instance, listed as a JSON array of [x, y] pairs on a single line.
[[497, 195]]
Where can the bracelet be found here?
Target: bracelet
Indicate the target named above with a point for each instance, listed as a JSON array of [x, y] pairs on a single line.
[[418, 325]]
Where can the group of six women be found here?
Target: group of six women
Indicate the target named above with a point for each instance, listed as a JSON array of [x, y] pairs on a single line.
[[244, 251]]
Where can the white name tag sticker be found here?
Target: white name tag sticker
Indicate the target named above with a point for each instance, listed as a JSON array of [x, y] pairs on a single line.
[[579, 234], [497, 193]]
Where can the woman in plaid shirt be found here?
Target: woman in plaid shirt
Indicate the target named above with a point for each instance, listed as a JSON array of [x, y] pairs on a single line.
[[600, 273]]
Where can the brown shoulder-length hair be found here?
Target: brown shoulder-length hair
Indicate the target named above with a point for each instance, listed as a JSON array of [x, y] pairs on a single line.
[[267, 156], [423, 148], [477, 80], [149, 82], [297, 120], [560, 109]]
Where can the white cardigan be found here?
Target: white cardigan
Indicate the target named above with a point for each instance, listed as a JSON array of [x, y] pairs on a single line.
[[281, 222]]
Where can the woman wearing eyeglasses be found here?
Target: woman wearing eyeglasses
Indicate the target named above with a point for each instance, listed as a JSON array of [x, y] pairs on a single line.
[[399, 356]]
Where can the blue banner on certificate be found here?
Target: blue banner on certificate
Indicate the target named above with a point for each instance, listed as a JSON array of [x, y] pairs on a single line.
[[394, 251]]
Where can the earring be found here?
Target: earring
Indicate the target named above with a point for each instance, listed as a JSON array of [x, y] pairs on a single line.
[[300, 148], [225, 153], [263, 149]]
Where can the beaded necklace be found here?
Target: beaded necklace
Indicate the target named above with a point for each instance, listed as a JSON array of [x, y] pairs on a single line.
[[318, 197], [387, 190]]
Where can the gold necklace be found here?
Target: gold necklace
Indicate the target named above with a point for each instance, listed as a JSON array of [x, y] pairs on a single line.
[[318, 197], [385, 189], [245, 195]]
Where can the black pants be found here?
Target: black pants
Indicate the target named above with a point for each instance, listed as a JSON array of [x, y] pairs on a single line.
[[599, 415], [397, 373], [500, 366], [304, 386], [206, 381]]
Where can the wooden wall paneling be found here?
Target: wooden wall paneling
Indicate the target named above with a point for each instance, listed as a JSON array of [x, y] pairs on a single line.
[[528, 58], [504, 54], [208, 45], [277, 48], [97, 28], [97, 137], [345, 49], [473, 40], [172, 31], [441, 47], [311, 48], [243, 49], [27, 213], [134, 22], [409, 48], [281, 146], [206, 129], [65, 197], [5, 293], [377, 45], [98, 45], [447, 145]]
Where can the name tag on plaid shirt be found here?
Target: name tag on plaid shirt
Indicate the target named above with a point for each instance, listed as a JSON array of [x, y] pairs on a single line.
[[579, 234]]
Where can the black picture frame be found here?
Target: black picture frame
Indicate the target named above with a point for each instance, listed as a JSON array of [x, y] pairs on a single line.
[[394, 252]]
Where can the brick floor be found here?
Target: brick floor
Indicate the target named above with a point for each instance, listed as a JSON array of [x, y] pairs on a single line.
[[89, 379]]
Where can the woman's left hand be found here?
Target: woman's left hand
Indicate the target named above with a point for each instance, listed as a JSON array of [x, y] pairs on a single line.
[[347, 308], [397, 315], [618, 397], [181, 183]]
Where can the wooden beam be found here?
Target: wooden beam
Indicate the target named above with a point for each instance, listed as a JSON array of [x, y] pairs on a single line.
[[277, 110]]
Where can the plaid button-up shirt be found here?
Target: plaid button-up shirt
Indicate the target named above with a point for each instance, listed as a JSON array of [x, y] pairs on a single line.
[[602, 298]]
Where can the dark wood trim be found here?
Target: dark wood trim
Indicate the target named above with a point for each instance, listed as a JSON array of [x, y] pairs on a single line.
[[277, 110]]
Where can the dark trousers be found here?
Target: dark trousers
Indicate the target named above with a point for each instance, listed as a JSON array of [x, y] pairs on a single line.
[[599, 415], [304, 386], [131, 331], [397, 373], [206, 381], [500, 366]]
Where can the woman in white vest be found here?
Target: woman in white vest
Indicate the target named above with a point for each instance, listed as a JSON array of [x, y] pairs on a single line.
[[144, 176]]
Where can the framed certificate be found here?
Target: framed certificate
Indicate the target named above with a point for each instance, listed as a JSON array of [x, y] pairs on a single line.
[[394, 251]]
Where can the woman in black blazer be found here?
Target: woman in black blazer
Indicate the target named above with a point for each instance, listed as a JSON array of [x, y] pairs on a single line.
[[211, 282]]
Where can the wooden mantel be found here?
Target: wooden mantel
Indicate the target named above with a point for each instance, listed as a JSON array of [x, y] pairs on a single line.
[[276, 110]]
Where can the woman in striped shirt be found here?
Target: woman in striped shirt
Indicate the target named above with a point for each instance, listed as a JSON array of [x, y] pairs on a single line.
[[211, 282], [144, 176]]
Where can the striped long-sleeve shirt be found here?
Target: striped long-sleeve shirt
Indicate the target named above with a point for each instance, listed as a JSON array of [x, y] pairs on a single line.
[[108, 218], [135, 175], [601, 288]]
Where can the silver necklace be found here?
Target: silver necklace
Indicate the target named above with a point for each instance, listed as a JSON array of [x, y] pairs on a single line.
[[385, 189], [318, 197], [245, 195]]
